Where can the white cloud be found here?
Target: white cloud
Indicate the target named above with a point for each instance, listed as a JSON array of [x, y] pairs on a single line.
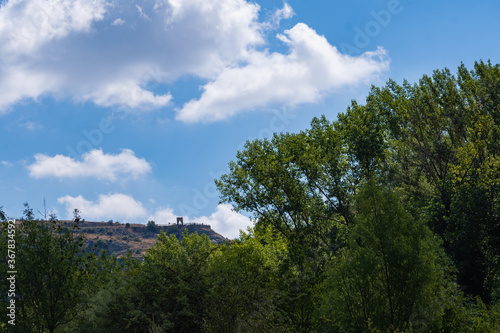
[[6, 163], [164, 216], [118, 21], [66, 49], [27, 25], [141, 13], [128, 94], [31, 126], [93, 164], [312, 68], [284, 13], [113, 206], [226, 221], [221, 33], [18, 82]]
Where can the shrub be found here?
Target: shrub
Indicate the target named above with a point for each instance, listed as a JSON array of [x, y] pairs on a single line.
[[151, 226]]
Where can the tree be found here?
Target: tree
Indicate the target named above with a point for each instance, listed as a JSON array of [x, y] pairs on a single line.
[[300, 185], [391, 275], [174, 276], [165, 293], [58, 274], [116, 306], [244, 293], [151, 226]]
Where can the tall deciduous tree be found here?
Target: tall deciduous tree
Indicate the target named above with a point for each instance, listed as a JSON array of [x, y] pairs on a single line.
[[301, 186], [390, 277]]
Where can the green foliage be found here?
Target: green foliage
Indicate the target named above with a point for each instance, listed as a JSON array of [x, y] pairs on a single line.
[[177, 271], [243, 293], [164, 293], [56, 274], [362, 130], [28, 212], [151, 226], [437, 142], [472, 316], [444, 144], [332, 250], [390, 276], [297, 183]]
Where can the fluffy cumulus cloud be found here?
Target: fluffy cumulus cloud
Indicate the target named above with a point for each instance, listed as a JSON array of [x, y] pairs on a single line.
[[26, 29], [108, 52], [93, 164], [25, 26], [312, 68], [226, 221], [120, 54], [112, 206]]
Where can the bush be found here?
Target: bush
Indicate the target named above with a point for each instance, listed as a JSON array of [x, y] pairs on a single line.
[[151, 226]]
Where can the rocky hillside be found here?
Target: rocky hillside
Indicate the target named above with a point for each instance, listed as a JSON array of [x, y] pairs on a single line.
[[119, 238]]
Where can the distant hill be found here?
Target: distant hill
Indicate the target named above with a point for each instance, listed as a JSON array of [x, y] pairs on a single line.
[[119, 238]]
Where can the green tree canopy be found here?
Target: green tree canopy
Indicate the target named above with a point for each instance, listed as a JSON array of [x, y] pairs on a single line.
[[390, 277], [56, 274], [437, 141]]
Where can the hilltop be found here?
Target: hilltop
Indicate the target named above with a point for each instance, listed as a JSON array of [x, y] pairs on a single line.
[[119, 238]]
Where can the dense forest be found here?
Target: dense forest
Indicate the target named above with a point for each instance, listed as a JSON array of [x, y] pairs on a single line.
[[386, 219]]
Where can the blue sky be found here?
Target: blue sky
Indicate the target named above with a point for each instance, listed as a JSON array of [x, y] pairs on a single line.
[[127, 110]]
